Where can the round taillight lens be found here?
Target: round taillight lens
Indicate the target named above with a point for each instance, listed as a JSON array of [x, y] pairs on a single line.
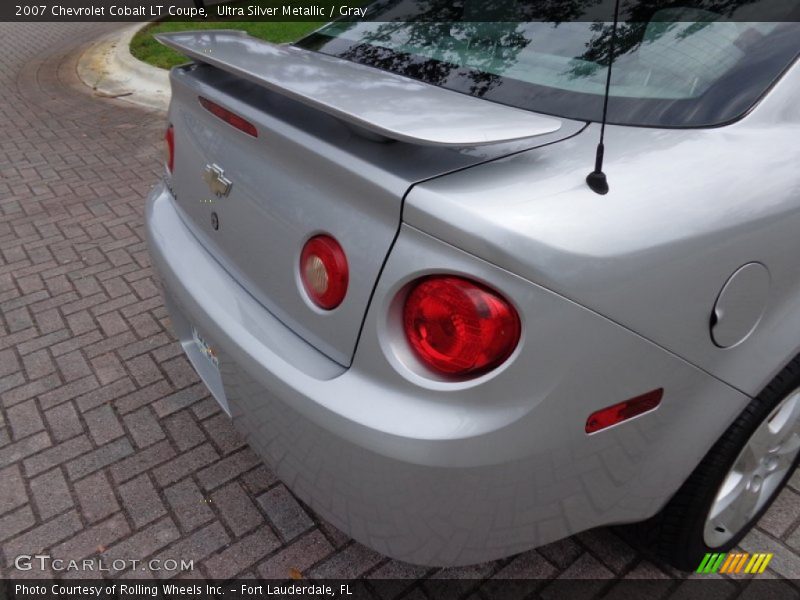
[[324, 271], [169, 148], [458, 327]]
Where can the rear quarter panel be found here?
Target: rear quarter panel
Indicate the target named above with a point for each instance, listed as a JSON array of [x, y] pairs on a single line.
[[686, 209]]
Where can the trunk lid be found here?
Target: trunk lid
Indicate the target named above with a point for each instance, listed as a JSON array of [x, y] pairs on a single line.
[[322, 162]]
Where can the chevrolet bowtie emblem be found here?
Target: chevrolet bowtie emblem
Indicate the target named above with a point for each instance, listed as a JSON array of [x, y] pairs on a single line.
[[219, 185]]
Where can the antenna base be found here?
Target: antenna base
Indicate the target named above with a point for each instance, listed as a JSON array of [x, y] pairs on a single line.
[[598, 183]]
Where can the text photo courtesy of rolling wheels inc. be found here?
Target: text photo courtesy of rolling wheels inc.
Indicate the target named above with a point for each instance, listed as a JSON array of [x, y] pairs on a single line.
[[399, 299]]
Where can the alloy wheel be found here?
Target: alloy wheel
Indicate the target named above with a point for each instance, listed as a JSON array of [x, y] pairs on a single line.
[[757, 472]]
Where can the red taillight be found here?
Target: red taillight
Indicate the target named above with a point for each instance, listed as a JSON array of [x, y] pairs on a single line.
[[229, 117], [169, 142], [623, 411], [458, 327], [324, 271]]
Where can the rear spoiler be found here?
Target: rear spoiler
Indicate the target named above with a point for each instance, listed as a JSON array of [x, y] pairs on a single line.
[[384, 103]]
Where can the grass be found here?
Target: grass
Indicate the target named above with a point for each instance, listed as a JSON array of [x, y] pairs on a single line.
[[147, 49]]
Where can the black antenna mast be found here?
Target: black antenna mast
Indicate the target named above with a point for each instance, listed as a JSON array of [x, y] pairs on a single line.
[[597, 180]]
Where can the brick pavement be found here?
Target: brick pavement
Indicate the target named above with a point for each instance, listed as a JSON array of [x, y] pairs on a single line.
[[109, 445]]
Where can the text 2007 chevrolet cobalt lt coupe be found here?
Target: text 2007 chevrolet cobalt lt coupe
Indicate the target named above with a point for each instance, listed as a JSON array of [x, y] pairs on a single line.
[[380, 252]]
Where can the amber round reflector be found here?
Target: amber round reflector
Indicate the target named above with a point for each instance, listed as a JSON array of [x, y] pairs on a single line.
[[324, 271]]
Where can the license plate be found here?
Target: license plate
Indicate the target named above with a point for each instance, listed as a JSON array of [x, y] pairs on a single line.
[[205, 348]]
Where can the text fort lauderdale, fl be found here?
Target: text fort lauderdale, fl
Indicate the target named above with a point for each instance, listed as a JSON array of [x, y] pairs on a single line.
[[143, 589], [225, 10]]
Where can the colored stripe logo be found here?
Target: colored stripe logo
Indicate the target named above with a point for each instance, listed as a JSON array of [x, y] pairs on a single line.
[[734, 563]]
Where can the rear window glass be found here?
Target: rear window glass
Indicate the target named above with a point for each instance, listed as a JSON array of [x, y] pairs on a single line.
[[682, 67]]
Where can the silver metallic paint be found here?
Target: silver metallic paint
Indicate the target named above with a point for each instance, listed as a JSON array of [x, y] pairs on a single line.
[[306, 173], [436, 474], [382, 102], [686, 210], [740, 305], [615, 294]]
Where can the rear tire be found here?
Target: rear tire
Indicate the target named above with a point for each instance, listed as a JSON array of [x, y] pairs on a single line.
[[749, 465]]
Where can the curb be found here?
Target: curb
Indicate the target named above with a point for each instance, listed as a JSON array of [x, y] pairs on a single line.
[[109, 68]]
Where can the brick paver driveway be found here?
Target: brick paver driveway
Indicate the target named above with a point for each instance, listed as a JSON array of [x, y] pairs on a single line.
[[109, 445]]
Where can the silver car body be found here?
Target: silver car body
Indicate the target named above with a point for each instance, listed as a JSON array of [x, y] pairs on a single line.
[[615, 293]]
